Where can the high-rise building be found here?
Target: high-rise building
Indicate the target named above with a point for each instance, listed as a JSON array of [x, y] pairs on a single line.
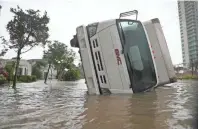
[[188, 17]]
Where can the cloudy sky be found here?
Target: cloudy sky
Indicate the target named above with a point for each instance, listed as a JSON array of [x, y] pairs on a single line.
[[66, 15]]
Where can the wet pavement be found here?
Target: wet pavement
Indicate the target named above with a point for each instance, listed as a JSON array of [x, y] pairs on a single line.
[[66, 105]]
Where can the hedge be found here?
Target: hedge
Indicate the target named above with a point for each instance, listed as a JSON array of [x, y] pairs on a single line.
[[72, 75], [26, 78], [2, 79], [186, 77]]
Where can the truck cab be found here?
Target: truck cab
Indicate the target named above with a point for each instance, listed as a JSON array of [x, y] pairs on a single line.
[[117, 56]]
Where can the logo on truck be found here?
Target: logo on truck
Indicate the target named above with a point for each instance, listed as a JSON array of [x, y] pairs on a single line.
[[117, 53]]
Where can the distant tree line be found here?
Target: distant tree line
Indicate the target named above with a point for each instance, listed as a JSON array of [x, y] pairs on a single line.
[[191, 67]]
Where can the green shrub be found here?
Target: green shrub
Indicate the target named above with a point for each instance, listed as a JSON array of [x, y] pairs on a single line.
[[10, 68], [188, 77], [72, 75], [22, 78], [2, 78], [29, 78], [34, 78], [26, 78], [36, 72]]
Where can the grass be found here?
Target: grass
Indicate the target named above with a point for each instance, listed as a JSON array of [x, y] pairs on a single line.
[[188, 77]]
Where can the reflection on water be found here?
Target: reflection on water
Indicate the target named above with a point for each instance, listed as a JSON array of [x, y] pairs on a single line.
[[66, 105]]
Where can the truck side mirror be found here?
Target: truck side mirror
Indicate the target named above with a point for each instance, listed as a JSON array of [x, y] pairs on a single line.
[[74, 42]]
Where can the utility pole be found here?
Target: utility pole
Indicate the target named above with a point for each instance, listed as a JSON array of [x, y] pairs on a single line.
[[46, 77]]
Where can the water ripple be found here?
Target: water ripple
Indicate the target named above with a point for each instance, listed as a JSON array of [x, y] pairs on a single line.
[[66, 105]]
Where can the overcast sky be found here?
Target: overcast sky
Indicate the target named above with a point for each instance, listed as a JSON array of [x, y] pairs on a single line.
[[66, 15]]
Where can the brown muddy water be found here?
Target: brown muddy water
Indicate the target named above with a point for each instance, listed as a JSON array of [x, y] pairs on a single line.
[[66, 105]]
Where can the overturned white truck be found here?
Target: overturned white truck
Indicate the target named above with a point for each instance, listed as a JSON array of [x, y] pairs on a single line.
[[124, 55]]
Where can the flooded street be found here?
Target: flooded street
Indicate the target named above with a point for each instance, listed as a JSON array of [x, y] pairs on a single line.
[[66, 105]]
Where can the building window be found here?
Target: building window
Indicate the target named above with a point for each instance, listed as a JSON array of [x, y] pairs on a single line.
[[96, 42], [19, 71], [93, 43], [98, 67], [96, 56], [104, 79], [100, 59], [25, 71], [101, 79]]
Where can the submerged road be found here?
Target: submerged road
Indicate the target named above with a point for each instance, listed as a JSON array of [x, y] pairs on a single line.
[[66, 105]]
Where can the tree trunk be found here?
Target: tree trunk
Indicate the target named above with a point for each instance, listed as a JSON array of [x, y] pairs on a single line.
[[47, 73], [60, 76], [16, 69], [59, 73]]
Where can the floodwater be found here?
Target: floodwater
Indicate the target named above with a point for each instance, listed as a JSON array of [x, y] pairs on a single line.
[[66, 105]]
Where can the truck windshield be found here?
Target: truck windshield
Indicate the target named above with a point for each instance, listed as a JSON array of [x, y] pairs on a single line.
[[137, 55]]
